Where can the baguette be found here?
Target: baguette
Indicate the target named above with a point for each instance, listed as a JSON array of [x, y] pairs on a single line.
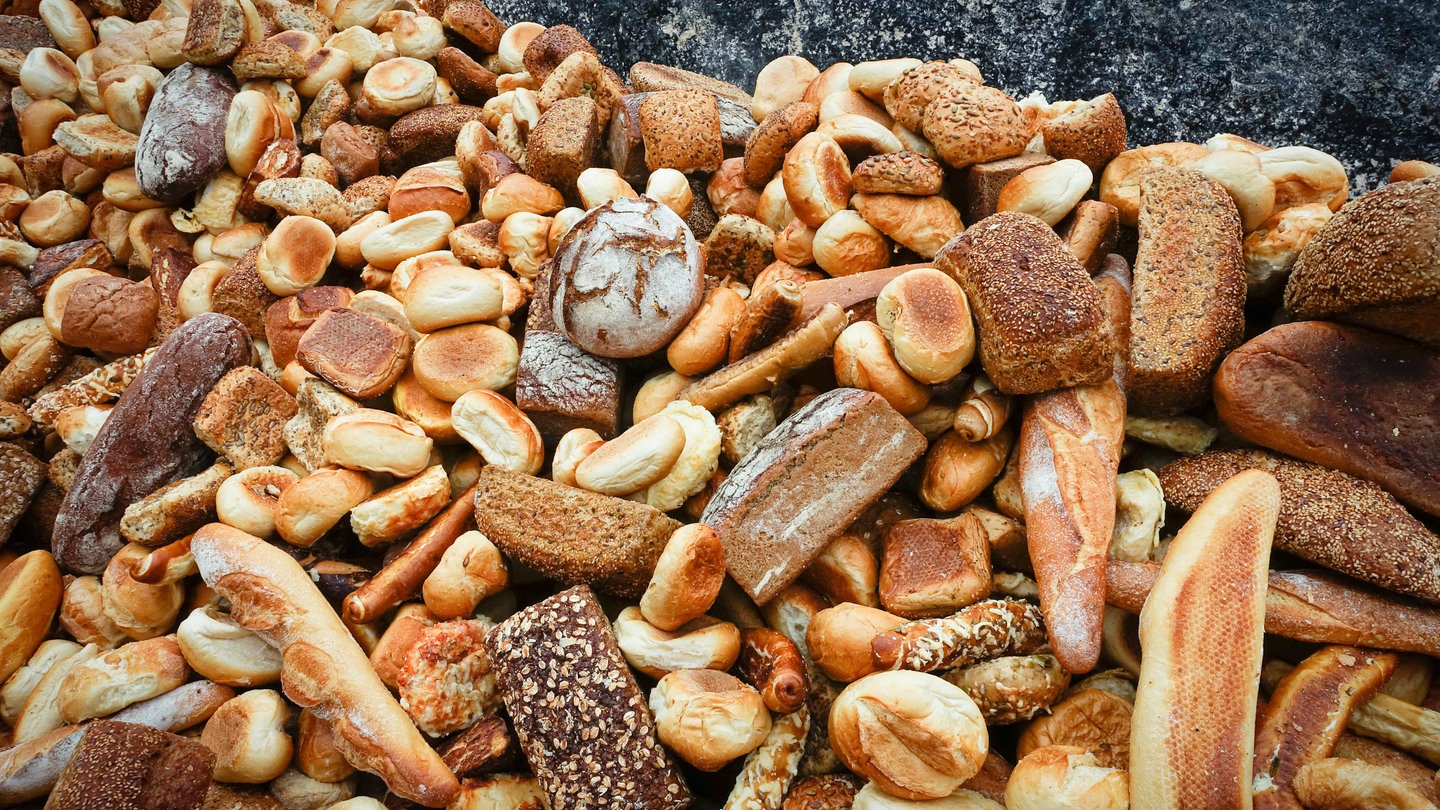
[[325, 670], [1327, 517], [1315, 606], [1069, 456], [1192, 739]]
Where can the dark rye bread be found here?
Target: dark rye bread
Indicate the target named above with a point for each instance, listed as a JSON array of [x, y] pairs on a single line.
[[147, 441], [1376, 263], [22, 475], [806, 481], [1352, 399], [1328, 517], [1040, 319], [570, 534], [182, 144], [559, 385], [1188, 295], [124, 765], [578, 713]]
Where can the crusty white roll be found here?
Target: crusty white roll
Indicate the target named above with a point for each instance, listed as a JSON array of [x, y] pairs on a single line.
[[709, 718], [314, 504], [574, 447], [470, 570], [1304, 175], [1065, 776], [19, 686], [635, 459], [915, 735], [325, 670], [925, 317], [704, 643], [450, 295], [40, 713], [502, 433], [247, 736], [295, 255], [219, 648], [248, 499], [687, 578], [838, 639], [1049, 192], [816, 176], [846, 244], [377, 441], [108, 683]]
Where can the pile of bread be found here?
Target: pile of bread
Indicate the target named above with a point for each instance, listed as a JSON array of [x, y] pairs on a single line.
[[403, 408]]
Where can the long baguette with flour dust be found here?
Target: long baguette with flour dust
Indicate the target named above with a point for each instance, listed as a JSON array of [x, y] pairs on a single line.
[[1192, 739]]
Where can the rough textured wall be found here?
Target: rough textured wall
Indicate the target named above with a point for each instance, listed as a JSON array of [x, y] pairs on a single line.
[[1357, 78]]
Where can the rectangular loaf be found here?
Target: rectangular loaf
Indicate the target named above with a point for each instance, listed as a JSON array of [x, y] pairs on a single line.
[[560, 385], [570, 534], [808, 480], [578, 713]]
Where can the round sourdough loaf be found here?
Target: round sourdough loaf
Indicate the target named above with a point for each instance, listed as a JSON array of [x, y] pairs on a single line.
[[627, 279]]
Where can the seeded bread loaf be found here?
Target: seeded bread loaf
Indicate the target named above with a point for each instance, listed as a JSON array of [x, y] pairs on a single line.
[[579, 715]]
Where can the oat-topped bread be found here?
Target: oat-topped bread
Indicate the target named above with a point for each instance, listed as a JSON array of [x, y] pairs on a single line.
[[570, 534], [578, 713]]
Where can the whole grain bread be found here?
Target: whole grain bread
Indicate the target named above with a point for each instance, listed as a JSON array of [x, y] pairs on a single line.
[[570, 534]]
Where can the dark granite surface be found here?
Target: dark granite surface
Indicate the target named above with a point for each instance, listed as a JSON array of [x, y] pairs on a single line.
[[1358, 79]]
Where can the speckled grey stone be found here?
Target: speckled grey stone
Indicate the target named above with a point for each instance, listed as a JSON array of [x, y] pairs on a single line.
[[1357, 79]]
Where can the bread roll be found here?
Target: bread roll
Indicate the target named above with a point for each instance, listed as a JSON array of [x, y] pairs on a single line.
[[709, 718], [219, 648], [29, 597], [325, 670], [1067, 776], [136, 671], [247, 736], [915, 735]]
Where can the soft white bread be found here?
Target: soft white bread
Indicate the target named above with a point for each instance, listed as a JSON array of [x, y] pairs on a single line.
[[325, 670], [1201, 633]]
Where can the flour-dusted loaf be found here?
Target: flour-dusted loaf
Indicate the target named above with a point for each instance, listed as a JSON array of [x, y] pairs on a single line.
[[578, 713], [626, 279], [182, 144], [325, 670], [147, 441], [805, 482]]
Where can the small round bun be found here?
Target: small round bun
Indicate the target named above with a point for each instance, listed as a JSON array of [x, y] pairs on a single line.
[[218, 648], [709, 718], [1065, 776]]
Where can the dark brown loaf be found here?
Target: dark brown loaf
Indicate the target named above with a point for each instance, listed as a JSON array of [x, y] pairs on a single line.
[[808, 480], [1189, 290], [131, 766], [1376, 263], [570, 534], [581, 719], [1355, 400], [23, 474], [147, 441], [1327, 517], [1041, 322], [559, 385], [182, 144]]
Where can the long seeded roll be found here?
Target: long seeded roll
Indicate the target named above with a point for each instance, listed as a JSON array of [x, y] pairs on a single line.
[[1327, 517], [1189, 290], [1192, 739], [1351, 399]]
